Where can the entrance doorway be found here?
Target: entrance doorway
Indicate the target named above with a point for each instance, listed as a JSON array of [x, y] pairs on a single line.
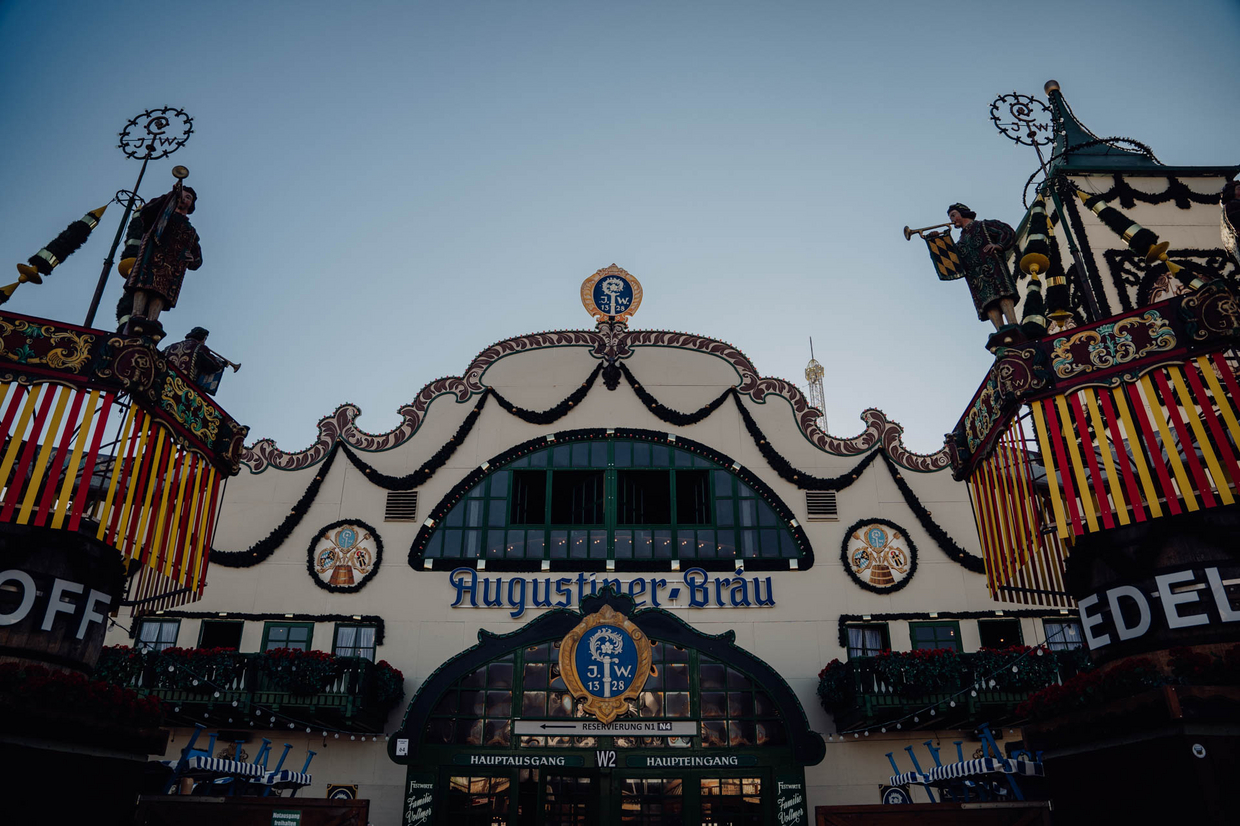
[[554, 797]]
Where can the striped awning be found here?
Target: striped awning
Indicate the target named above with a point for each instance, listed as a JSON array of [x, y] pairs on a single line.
[[215, 767], [968, 768], [286, 779]]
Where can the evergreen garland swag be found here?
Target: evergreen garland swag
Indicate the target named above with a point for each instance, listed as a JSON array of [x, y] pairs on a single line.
[[958, 554], [666, 413]]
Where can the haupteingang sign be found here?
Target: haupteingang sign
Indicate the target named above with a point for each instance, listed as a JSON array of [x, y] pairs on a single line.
[[517, 592]]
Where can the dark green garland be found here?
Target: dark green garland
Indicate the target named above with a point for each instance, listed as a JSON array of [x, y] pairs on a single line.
[[666, 413], [266, 546], [958, 554], [784, 468], [551, 414], [1176, 190]]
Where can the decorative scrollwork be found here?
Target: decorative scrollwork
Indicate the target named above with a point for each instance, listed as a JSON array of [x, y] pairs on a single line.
[[1024, 119], [188, 407], [1112, 345], [156, 133]]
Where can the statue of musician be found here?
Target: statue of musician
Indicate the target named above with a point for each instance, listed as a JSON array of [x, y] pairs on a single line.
[[982, 249], [1230, 219], [204, 366], [169, 247]]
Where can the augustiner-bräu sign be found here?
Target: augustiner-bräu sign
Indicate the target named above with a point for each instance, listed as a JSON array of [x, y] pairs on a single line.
[[695, 586]]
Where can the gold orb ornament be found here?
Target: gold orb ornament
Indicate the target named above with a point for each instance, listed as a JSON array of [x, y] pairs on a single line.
[[180, 172]]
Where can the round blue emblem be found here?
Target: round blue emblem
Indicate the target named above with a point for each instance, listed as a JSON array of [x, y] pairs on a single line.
[[606, 661], [347, 538], [877, 537], [612, 294]]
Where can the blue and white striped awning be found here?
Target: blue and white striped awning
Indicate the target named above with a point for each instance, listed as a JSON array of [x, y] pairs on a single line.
[[286, 779], [215, 767], [968, 768]]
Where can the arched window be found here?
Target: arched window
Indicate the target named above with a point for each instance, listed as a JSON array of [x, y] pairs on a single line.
[[636, 503], [479, 709]]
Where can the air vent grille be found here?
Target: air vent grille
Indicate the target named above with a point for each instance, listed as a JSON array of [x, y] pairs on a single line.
[[820, 504], [402, 506]]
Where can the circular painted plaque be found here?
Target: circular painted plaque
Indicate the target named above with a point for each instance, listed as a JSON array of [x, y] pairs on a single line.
[[344, 556], [878, 555], [606, 660], [611, 293]]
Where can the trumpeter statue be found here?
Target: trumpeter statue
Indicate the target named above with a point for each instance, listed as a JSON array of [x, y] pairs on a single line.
[[169, 247], [982, 248]]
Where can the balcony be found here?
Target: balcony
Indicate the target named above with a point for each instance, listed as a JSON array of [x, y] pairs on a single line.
[[940, 689], [221, 687]]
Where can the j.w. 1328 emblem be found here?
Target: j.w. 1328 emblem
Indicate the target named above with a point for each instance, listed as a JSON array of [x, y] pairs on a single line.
[[611, 293], [605, 662]]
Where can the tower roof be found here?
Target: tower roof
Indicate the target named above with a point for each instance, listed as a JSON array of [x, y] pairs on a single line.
[[1076, 147]]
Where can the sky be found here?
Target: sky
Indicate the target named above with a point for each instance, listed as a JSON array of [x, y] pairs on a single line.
[[386, 189]]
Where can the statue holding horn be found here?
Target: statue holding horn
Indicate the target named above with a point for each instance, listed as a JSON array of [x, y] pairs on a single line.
[[982, 249], [169, 247]]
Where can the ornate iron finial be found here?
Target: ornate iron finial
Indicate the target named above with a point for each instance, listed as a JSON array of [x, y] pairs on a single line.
[[1023, 119], [156, 133]]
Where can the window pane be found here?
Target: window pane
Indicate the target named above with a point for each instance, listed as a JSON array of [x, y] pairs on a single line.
[[663, 544], [749, 543], [723, 483], [473, 544], [473, 513], [529, 497], [683, 459], [168, 632], [515, 547], [581, 454], [660, 456], [787, 548], [497, 513], [495, 544], [624, 544], [435, 546], [540, 459], [766, 516], [727, 544], [692, 497], [598, 454], [535, 545], [643, 544], [499, 483], [345, 635], [724, 513], [706, 544], [641, 454], [686, 545], [577, 548], [770, 542], [749, 513], [456, 516], [643, 497], [598, 544], [559, 544], [577, 497], [624, 454], [298, 633], [452, 544], [562, 456]]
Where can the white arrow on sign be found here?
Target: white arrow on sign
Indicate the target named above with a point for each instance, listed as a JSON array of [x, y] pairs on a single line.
[[593, 728]]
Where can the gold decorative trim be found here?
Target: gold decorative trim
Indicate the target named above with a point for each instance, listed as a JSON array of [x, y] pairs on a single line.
[[605, 709]]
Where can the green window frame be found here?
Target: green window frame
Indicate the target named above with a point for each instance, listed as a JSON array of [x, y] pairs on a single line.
[[932, 635], [157, 634], [296, 635], [988, 628], [479, 709], [612, 499], [354, 639], [202, 629]]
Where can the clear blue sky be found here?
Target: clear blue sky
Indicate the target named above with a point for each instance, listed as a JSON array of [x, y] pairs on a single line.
[[388, 188]]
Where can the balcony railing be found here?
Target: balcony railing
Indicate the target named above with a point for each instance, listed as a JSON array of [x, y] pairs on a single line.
[[103, 436], [225, 688], [940, 689]]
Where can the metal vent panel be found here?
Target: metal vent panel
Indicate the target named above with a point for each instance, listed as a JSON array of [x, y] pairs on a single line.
[[402, 506], [820, 505]]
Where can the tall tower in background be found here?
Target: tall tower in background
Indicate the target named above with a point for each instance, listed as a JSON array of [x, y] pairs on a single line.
[[813, 375]]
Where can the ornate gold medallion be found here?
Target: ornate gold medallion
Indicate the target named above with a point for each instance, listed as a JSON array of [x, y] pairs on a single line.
[[611, 294], [605, 662]]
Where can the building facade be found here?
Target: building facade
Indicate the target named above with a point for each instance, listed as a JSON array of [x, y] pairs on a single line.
[[653, 475]]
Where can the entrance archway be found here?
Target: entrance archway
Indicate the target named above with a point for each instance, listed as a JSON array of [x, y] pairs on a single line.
[[713, 734]]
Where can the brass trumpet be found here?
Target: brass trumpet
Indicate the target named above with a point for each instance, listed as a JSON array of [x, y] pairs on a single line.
[[909, 233]]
